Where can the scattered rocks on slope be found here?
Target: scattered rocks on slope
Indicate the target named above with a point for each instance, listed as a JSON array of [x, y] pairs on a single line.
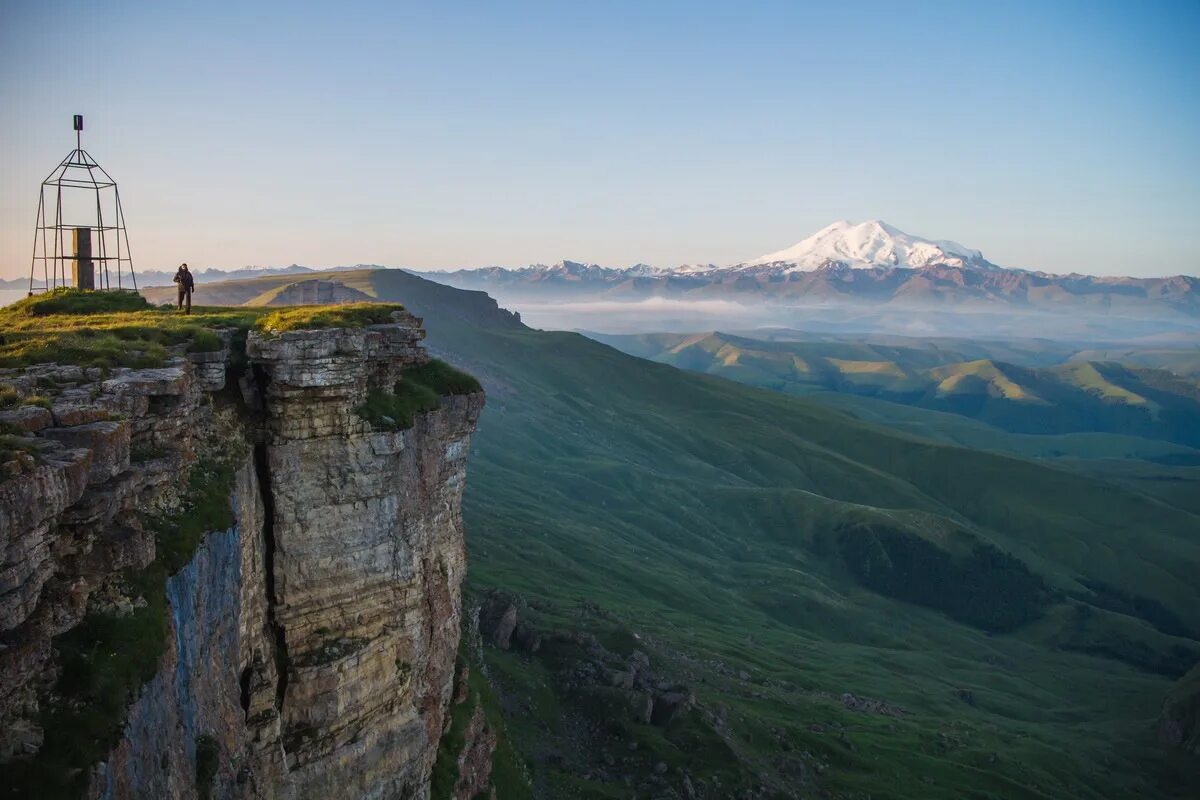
[[869, 705]]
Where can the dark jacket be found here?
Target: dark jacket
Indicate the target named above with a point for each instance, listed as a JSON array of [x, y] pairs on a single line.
[[184, 279]]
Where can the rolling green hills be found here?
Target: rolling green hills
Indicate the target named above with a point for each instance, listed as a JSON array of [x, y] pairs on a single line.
[[858, 611], [1072, 397], [710, 520]]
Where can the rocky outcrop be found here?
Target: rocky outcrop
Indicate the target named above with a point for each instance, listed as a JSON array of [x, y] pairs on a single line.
[[498, 620], [1179, 723], [475, 758], [309, 644]]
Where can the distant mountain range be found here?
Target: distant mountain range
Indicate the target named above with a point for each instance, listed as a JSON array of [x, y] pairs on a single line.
[[155, 277], [870, 262]]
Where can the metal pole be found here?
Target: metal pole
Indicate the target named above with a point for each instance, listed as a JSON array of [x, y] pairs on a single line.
[[123, 231], [106, 283], [118, 223], [58, 242], [33, 261], [45, 247]]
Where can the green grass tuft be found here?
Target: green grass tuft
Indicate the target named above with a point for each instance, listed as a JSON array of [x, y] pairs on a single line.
[[396, 410], [11, 398], [69, 300], [177, 536], [417, 392], [443, 378]]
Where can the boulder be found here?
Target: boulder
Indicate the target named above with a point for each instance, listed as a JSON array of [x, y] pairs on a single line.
[[26, 418], [497, 621], [641, 706], [668, 705], [108, 441], [527, 639]]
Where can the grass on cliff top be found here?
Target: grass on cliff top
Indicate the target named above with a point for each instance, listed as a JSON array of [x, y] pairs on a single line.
[[120, 329], [417, 391], [68, 300], [307, 318]]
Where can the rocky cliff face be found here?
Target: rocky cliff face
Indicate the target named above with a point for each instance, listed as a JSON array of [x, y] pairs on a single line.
[[307, 634]]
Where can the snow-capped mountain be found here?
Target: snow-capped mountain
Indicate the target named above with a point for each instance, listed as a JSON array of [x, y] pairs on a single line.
[[871, 244], [865, 263]]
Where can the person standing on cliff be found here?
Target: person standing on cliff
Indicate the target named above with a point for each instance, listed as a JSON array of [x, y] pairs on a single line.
[[186, 284]]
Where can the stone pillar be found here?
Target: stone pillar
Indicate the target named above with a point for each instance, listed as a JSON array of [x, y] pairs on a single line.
[[83, 272]]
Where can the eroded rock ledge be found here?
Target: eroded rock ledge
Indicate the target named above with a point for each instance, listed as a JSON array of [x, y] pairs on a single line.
[[309, 645]]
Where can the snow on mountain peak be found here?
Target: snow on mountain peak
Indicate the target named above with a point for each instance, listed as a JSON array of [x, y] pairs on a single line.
[[873, 243]]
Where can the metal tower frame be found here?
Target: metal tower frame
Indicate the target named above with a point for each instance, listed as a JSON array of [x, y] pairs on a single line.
[[79, 173]]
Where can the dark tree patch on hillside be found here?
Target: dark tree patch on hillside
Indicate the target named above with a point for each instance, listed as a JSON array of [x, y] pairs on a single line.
[[1144, 608], [1089, 634], [986, 588]]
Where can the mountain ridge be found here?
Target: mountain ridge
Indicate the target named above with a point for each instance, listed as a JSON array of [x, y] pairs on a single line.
[[870, 262]]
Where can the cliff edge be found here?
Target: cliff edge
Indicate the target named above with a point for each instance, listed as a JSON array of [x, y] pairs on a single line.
[[227, 575]]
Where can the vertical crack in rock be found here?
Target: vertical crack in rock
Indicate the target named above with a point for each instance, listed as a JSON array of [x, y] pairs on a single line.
[[366, 532], [244, 688], [268, 499], [262, 467]]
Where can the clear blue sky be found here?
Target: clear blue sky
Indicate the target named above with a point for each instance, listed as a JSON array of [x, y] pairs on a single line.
[[1060, 136]]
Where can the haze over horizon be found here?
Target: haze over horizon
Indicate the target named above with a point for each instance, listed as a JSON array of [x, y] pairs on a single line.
[[1058, 139]]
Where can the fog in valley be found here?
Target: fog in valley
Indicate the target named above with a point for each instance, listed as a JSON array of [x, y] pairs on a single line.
[[654, 315]]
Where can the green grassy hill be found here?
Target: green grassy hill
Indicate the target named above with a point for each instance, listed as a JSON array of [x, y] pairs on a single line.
[[711, 521], [858, 611], [1073, 397]]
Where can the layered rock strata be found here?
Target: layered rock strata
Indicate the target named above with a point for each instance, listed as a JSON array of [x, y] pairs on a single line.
[[109, 447], [310, 645]]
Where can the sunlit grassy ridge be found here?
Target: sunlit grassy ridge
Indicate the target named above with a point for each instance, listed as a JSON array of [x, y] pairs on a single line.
[[1073, 397], [110, 329]]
